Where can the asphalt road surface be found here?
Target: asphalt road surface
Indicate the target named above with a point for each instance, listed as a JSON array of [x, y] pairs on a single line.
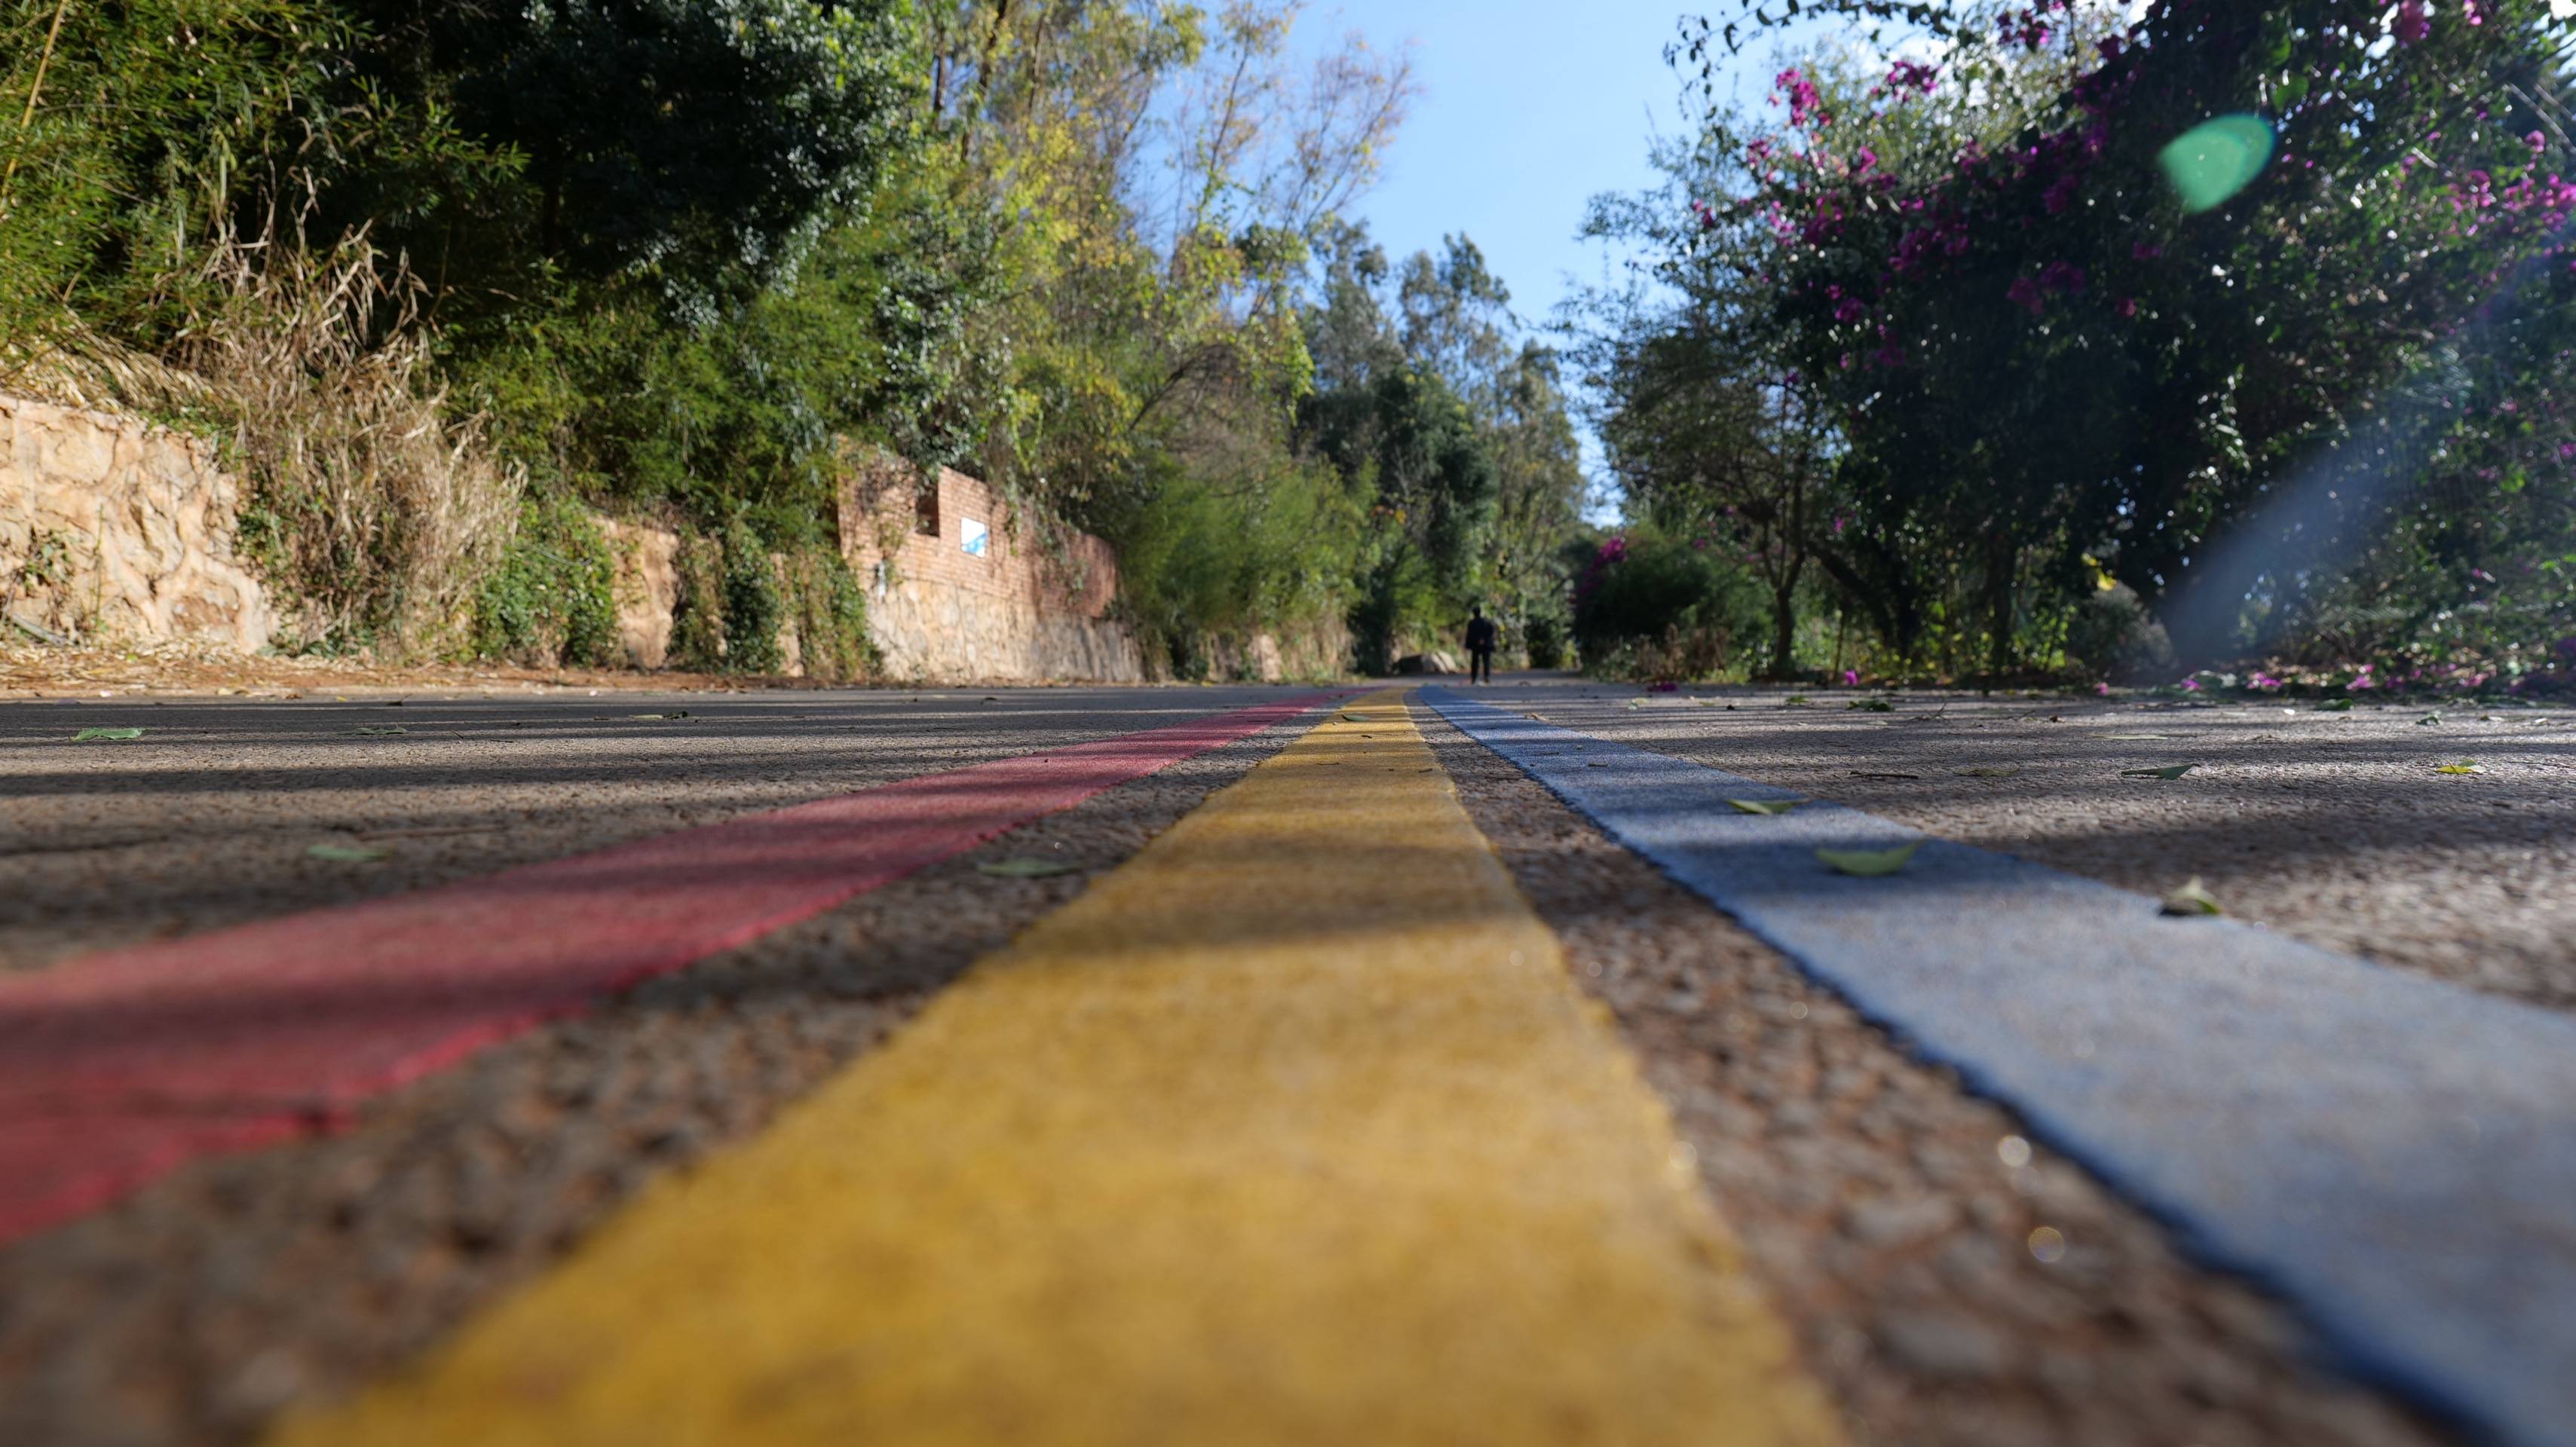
[[551, 1066]]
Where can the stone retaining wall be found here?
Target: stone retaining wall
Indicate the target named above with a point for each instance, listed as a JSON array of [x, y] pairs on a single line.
[[113, 530]]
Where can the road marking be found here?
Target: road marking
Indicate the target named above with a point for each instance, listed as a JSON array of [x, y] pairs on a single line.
[[2396, 1155], [117, 1068], [1290, 1131]]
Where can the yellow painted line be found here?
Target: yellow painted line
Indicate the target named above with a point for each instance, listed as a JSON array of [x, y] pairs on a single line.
[[1290, 1131]]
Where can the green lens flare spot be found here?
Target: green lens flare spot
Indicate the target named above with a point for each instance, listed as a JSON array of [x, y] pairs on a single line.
[[2214, 160]]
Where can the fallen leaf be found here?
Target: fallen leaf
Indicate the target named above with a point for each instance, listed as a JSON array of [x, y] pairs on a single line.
[[1796, 700], [2335, 705], [1871, 705], [345, 853], [2172, 771], [1989, 771], [2429, 720], [1766, 806], [383, 729], [656, 715], [96, 736], [1025, 868], [2192, 899], [1870, 864], [1878, 774], [2464, 766]]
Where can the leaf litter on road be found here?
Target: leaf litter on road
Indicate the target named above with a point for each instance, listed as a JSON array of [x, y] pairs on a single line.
[[345, 853], [106, 736], [1882, 774], [1025, 868], [381, 729], [2464, 766], [2170, 771], [1765, 806], [1870, 863], [2193, 898]]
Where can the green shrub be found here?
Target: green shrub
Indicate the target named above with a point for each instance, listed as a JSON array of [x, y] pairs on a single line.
[[553, 598], [1545, 639], [752, 608], [832, 617], [1654, 606], [697, 615]]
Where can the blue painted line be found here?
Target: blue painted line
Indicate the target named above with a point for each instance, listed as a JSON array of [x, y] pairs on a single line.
[[2394, 1155]]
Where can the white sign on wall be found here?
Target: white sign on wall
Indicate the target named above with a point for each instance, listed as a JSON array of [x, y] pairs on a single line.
[[977, 537]]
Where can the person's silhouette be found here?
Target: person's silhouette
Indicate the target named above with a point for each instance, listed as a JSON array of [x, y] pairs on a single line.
[[1480, 646]]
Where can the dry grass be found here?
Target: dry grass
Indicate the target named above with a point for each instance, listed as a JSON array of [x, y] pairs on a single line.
[[375, 503]]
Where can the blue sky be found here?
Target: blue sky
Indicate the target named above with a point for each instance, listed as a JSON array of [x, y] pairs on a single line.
[[1530, 108]]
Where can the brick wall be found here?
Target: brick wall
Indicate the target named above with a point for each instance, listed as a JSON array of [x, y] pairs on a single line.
[[1014, 612], [877, 503]]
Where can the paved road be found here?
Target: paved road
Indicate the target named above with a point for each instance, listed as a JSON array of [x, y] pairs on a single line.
[[209, 818], [373, 1239]]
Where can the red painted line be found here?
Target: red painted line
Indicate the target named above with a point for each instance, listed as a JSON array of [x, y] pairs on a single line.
[[117, 1068]]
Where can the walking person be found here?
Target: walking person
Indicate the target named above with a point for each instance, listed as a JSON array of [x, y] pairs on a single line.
[[1480, 645]]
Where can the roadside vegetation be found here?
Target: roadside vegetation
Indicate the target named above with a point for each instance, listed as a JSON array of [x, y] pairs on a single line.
[[445, 281], [2024, 341]]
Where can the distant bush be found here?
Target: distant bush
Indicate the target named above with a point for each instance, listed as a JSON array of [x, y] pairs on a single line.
[[752, 608], [1652, 605], [831, 617], [2111, 634], [697, 615], [553, 597]]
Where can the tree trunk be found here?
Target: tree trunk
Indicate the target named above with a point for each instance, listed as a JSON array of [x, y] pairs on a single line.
[[1784, 620], [2000, 554]]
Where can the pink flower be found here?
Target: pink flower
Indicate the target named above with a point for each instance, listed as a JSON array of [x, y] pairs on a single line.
[[2025, 293], [2265, 681], [1906, 75], [1851, 678], [2191, 685], [2537, 142], [2412, 25], [2128, 306], [2103, 689]]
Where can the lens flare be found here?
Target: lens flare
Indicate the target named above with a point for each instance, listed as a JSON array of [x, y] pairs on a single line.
[[2214, 160]]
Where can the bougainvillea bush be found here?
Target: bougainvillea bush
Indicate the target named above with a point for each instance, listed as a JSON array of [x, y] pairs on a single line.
[[2262, 310]]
